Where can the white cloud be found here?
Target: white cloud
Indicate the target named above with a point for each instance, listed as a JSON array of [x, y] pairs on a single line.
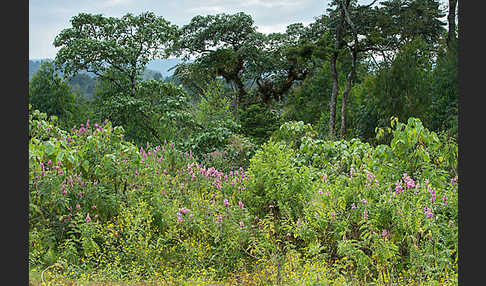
[[113, 3], [275, 28], [208, 10], [272, 4]]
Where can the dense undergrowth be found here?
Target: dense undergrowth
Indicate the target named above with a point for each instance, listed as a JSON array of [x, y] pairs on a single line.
[[305, 212]]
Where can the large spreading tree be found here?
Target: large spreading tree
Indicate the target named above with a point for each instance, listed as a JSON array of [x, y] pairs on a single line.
[[117, 51], [229, 46]]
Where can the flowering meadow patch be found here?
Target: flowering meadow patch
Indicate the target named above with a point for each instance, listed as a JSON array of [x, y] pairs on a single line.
[[335, 212]]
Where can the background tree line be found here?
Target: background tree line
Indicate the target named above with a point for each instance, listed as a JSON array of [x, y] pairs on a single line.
[[346, 73]]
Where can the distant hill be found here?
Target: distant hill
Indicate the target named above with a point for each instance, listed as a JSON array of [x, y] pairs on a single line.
[[160, 65], [34, 65], [84, 83], [163, 66]]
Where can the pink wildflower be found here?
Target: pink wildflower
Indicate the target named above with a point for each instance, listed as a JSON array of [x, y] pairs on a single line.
[[384, 233], [365, 214], [398, 188], [184, 210]]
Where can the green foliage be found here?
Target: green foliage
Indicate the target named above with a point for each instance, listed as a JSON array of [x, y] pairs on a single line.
[[49, 93], [276, 182], [97, 201], [117, 51], [229, 46], [121, 45], [292, 133], [258, 122], [403, 90], [226, 179], [416, 150], [160, 111], [83, 84], [443, 111], [214, 119], [308, 100]]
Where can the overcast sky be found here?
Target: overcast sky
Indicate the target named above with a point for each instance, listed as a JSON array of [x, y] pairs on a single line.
[[48, 18]]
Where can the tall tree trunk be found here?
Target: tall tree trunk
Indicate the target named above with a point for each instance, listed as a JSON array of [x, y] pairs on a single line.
[[344, 101], [241, 91], [332, 103], [132, 86], [334, 75], [349, 79], [451, 18]]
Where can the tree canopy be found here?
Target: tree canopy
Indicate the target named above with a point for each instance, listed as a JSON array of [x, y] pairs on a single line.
[[115, 49]]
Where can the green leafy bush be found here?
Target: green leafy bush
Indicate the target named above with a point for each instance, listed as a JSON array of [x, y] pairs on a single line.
[[258, 122], [277, 183]]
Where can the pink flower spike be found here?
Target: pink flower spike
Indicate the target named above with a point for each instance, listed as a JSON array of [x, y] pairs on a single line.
[[88, 219], [365, 215], [184, 210], [384, 233]]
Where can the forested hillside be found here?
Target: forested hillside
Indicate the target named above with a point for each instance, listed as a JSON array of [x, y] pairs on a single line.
[[322, 155], [84, 83]]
